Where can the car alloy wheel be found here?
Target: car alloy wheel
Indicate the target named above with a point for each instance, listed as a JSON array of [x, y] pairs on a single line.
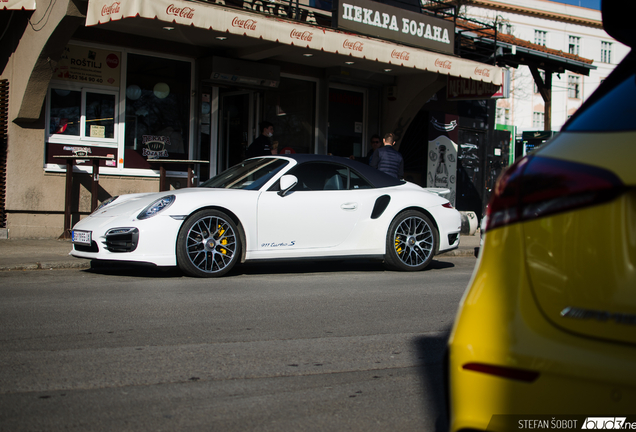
[[411, 241], [208, 244]]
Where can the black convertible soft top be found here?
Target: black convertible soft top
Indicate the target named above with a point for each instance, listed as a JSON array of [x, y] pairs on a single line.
[[377, 178]]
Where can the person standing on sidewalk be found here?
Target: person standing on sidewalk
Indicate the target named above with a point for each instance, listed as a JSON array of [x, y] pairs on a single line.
[[387, 159], [262, 145]]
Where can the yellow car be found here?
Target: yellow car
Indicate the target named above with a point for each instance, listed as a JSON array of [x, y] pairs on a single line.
[[545, 336]]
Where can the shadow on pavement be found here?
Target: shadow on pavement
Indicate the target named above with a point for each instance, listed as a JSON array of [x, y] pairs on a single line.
[[431, 351], [265, 267], [133, 269], [321, 266]]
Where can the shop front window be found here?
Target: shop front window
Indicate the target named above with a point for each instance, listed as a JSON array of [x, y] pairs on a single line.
[[158, 95], [65, 108], [100, 115], [84, 115]]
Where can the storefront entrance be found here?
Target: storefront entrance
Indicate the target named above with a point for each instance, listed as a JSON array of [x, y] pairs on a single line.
[[227, 132], [237, 126], [346, 121]]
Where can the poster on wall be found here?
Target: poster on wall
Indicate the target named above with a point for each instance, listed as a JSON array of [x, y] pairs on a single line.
[[442, 154], [89, 65]]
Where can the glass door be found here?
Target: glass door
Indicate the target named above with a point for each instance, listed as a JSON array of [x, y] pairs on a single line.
[[346, 122], [236, 127]]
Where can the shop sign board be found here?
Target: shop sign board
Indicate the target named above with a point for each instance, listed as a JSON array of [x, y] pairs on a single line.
[[89, 66], [393, 23], [270, 28]]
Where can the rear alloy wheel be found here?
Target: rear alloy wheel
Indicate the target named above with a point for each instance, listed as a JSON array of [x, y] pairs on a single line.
[[208, 244], [411, 241]]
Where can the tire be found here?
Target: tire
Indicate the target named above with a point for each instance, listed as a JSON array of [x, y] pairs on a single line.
[[208, 244], [411, 241]]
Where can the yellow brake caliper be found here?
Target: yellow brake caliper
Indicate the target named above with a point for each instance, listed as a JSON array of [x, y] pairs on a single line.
[[224, 241], [398, 248]]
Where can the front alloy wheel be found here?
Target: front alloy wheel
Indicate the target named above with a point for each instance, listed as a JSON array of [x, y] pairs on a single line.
[[411, 241], [208, 244]]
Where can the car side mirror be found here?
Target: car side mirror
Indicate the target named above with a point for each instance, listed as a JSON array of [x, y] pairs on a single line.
[[287, 183]]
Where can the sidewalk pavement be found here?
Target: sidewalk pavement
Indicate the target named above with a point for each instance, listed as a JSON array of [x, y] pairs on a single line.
[[49, 254]]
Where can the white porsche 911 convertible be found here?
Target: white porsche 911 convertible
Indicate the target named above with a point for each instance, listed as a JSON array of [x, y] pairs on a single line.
[[287, 206]]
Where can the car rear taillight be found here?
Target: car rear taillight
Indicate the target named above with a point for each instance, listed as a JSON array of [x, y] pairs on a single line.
[[537, 186]]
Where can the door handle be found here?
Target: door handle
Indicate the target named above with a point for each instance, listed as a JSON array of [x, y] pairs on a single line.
[[349, 206]]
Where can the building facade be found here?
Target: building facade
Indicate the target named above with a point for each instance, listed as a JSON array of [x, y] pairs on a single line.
[[127, 86], [109, 97], [554, 28]]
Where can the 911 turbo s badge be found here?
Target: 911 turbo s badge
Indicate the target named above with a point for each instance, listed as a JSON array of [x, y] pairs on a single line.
[[275, 245], [598, 315]]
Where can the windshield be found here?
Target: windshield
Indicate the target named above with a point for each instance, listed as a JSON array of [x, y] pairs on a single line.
[[250, 174]]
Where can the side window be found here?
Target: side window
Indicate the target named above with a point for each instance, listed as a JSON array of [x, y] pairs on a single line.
[[358, 182], [318, 176]]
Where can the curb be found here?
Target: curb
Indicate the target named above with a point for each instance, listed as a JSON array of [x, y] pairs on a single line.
[[46, 266], [86, 264]]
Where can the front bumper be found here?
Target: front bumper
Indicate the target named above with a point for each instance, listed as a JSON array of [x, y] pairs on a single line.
[[148, 241]]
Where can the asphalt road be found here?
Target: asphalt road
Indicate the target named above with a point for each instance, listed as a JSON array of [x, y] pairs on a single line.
[[332, 346]]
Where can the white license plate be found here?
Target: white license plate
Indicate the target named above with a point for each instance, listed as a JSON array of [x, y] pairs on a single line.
[[83, 237]]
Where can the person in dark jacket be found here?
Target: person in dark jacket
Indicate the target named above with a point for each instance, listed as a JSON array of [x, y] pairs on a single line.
[[387, 159], [262, 146]]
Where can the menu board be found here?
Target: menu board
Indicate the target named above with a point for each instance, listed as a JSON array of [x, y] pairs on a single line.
[[89, 65]]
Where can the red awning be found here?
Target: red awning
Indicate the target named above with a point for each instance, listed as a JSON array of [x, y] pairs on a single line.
[[275, 29]]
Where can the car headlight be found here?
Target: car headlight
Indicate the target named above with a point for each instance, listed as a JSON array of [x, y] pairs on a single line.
[[105, 203], [156, 207]]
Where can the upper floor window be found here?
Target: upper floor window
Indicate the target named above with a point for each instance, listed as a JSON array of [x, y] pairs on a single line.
[[540, 37], [504, 27], [321, 4], [574, 45], [538, 120], [606, 52], [503, 116], [574, 86]]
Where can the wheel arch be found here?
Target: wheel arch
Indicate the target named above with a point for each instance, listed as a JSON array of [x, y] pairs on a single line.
[[235, 219]]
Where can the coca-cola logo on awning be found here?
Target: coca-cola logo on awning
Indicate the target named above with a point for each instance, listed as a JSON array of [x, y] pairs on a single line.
[[112, 9], [353, 45], [248, 24], [400, 55], [482, 71], [444, 64], [301, 35], [184, 12]]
